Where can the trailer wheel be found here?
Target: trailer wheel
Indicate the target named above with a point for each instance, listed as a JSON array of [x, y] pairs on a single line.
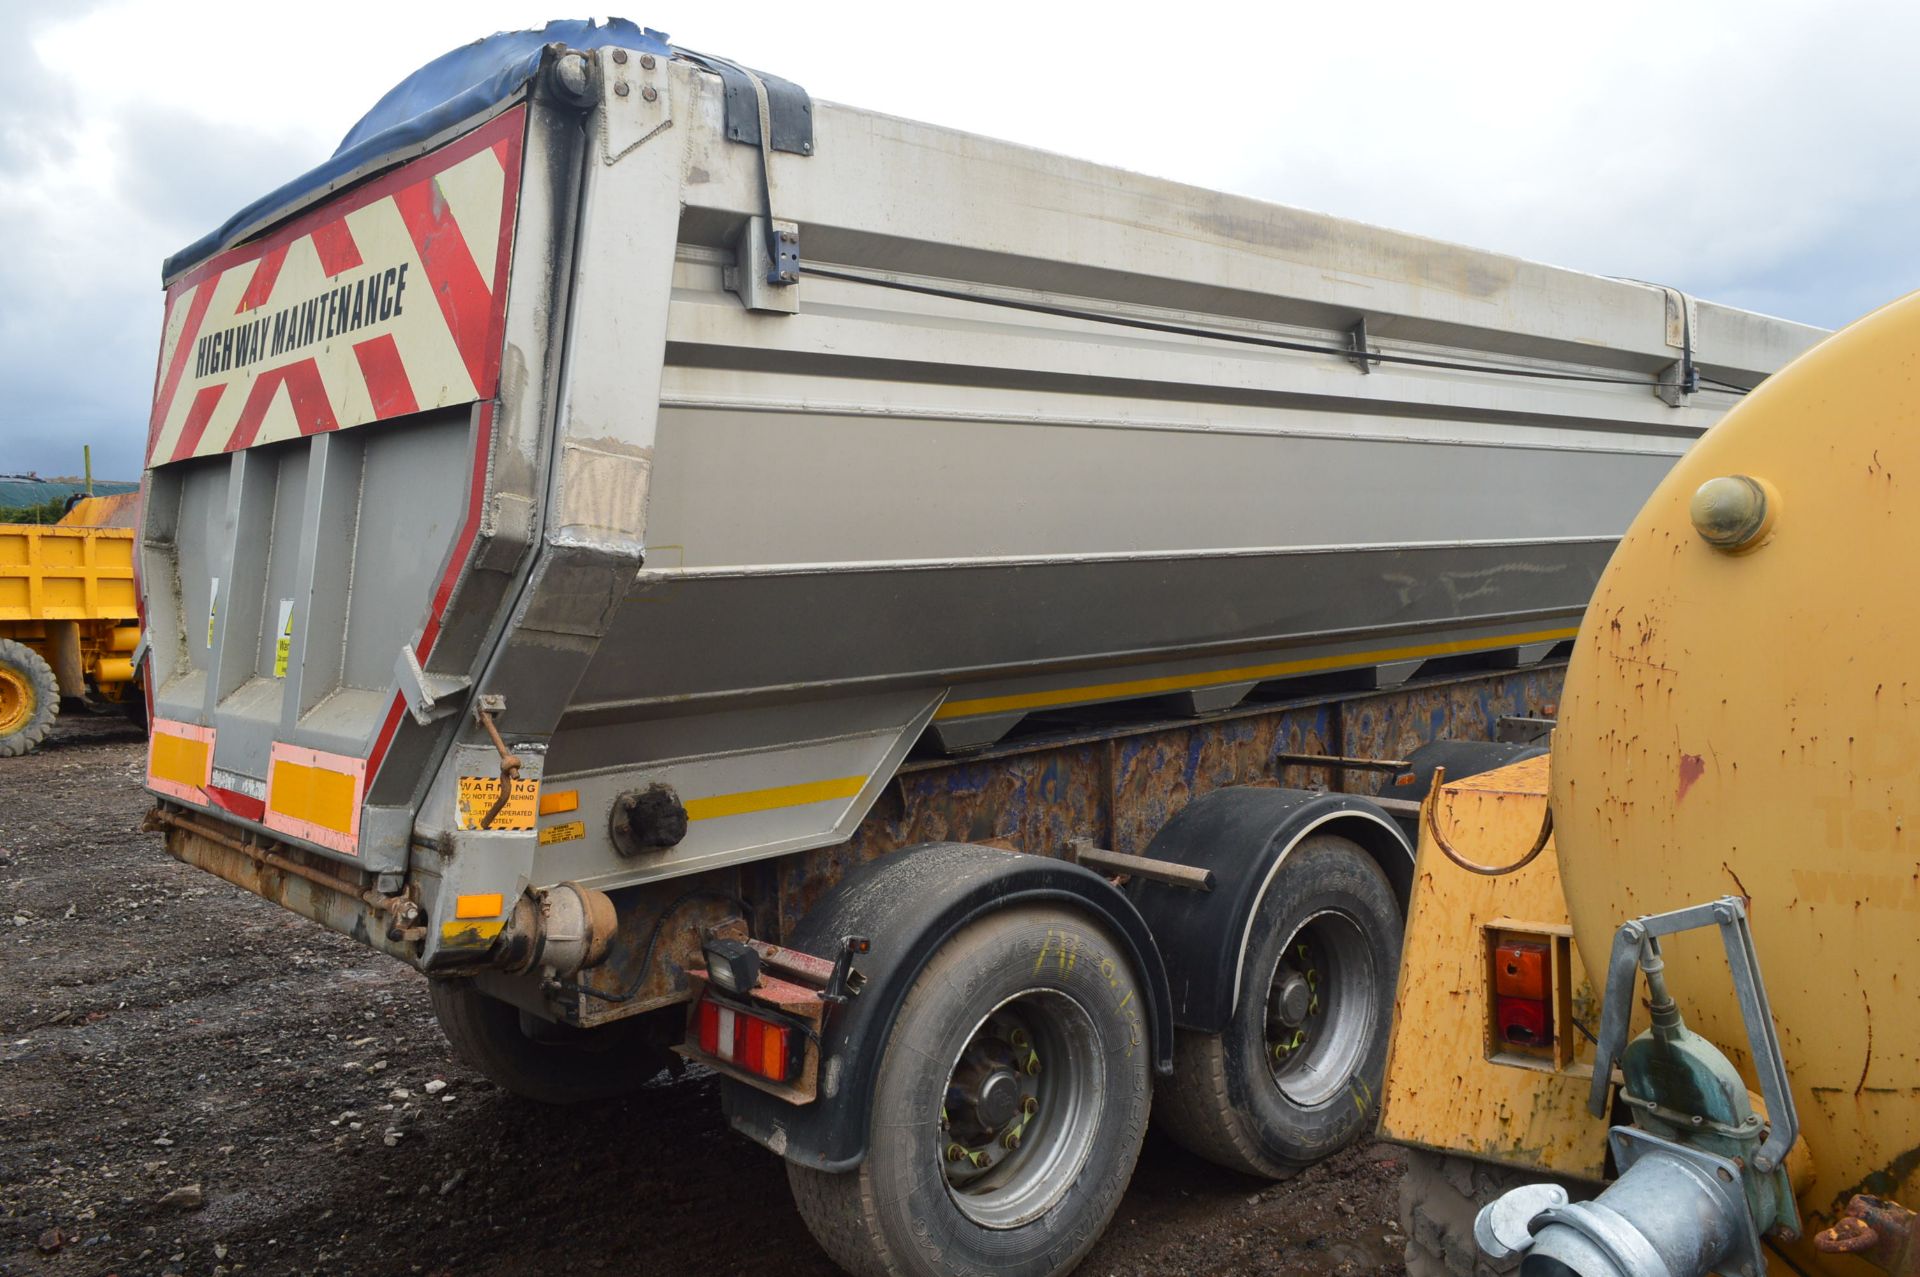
[[559, 1065], [1012, 1097], [1439, 1197], [1295, 1077], [29, 698]]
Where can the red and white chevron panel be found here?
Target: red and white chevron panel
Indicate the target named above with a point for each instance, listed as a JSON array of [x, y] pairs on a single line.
[[386, 301]]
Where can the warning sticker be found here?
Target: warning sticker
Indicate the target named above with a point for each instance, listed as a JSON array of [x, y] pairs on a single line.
[[213, 609], [284, 644], [478, 794], [563, 833]]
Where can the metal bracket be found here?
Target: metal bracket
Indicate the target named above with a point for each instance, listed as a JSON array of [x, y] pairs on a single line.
[[635, 108], [755, 267], [426, 694], [770, 114], [1082, 851], [1630, 945], [1521, 729], [1360, 354], [846, 982], [1680, 378]]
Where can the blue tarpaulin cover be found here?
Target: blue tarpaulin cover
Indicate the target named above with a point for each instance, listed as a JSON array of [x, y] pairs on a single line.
[[453, 87]]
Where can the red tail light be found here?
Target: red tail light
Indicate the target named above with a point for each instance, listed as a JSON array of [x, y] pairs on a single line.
[[760, 1046], [1523, 1021]]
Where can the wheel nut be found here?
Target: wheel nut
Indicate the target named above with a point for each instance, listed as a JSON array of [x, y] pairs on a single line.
[[1010, 1141], [955, 1153], [1030, 1105]]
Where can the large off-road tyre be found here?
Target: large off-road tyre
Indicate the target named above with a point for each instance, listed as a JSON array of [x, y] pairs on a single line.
[[29, 699], [1028, 1024], [550, 1063], [1439, 1197], [1296, 1075]]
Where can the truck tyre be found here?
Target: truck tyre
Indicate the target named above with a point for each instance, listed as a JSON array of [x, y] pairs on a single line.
[[1295, 1077], [562, 1065], [1439, 1197], [29, 698], [1012, 1097]]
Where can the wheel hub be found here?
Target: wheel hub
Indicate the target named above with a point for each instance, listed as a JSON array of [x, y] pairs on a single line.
[[998, 1100], [16, 702], [1319, 1008], [1014, 1122], [992, 1088], [1292, 998]]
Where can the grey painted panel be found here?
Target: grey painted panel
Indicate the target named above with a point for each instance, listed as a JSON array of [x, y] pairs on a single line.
[[202, 559], [701, 636], [413, 488], [746, 488]]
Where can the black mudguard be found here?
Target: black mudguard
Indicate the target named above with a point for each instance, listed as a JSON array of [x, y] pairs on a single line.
[[907, 905], [1461, 758], [1243, 834]]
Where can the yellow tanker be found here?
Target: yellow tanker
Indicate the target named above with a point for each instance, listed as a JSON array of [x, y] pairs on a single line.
[[1708, 893]]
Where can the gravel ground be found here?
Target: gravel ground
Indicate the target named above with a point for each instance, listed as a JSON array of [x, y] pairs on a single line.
[[193, 1081]]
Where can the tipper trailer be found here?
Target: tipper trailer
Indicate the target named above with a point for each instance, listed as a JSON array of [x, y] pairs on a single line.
[[918, 625]]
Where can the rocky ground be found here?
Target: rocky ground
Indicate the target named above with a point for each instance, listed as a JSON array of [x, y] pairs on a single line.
[[193, 1081]]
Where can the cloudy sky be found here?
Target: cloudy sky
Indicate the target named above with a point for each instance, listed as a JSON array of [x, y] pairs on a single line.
[[1761, 154]]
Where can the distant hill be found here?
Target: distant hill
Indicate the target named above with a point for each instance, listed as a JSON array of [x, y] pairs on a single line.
[[31, 499]]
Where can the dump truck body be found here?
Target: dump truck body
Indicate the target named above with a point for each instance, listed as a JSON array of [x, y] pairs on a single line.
[[68, 611], [630, 517], [744, 552]]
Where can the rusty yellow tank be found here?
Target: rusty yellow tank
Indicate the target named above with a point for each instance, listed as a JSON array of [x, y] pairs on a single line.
[[1744, 718]]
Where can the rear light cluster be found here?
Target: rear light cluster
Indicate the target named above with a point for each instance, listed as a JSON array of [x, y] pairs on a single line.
[[753, 1043], [1522, 994]]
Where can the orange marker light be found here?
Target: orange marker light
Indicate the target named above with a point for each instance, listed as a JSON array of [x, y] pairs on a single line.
[[479, 906], [1520, 970]]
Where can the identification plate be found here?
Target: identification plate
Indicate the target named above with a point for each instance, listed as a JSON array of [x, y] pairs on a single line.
[[479, 793]]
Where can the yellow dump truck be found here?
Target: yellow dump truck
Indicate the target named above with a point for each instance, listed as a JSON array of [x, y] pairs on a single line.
[[1657, 1011], [68, 619]]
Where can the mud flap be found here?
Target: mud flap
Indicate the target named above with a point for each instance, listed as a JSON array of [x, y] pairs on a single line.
[[907, 905]]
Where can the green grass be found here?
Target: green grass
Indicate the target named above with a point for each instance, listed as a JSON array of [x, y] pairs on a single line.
[[45, 512]]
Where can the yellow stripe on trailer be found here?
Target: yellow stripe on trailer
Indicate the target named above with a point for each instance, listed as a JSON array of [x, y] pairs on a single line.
[[752, 800], [1246, 674]]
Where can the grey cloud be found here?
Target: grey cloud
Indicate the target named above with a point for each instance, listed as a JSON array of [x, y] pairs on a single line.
[[77, 359], [1757, 155], [171, 174]]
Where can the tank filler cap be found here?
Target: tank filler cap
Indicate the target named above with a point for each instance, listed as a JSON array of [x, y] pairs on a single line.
[[1732, 512]]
